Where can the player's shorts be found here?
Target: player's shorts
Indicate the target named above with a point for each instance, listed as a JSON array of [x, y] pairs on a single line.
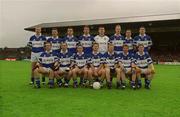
[[143, 70], [35, 56], [64, 69], [46, 69], [127, 70]]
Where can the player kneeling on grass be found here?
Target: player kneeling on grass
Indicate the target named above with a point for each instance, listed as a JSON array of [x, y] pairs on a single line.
[[144, 66], [110, 60], [125, 62], [64, 70], [44, 67], [97, 71], [80, 66]]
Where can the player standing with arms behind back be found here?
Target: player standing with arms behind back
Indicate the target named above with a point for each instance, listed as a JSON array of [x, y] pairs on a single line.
[[36, 42], [102, 40]]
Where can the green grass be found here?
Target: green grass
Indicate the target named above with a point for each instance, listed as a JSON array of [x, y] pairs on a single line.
[[18, 99]]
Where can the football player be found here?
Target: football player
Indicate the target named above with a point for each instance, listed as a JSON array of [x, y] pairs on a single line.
[[97, 68], [55, 40], [117, 39], [64, 71], [36, 42], [110, 64], [125, 62], [47, 62], [80, 66], [144, 66], [102, 40], [86, 40], [144, 39], [71, 40]]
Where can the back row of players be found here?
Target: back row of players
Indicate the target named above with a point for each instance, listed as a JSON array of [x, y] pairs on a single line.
[[91, 58]]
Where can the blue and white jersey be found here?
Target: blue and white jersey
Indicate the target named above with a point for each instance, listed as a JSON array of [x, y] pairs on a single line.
[[142, 61], [71, 43], [118, 41], [110, 59], [47, 59], [86, 42], [130, 44], [81, 59], [126, 59], [55, 43], [145, 40], [37, 43], [96, 59], [65, 58]]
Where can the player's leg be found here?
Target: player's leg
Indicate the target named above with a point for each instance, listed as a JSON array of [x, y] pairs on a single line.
[[90, 76], [51, 78], [37, 75], [58, 75], [75, 72], [84, 73], [138, 77], [33, 64], [148, 78], [133, 78], [118, 76], [108, 78], [68, 76], [95, 74], [102, 75]]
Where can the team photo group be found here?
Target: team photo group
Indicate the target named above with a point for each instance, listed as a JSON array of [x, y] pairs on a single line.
[[91, 61]]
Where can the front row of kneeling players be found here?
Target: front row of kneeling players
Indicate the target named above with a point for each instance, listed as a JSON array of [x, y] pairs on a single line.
[[94, 67]]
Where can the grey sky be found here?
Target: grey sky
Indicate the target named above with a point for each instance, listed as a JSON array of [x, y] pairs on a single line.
[[15, 15]]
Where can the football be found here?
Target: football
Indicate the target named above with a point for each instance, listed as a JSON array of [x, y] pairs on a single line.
[[96, 85]]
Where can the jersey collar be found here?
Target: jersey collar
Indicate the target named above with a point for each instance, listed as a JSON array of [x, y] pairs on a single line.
[[128, 38], [64, 52], [80, 54], [140, 54]]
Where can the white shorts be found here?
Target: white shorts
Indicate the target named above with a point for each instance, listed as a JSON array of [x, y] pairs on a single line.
[[63, 69], [46, 69], [35, 56], [144, 70], [127, 70]]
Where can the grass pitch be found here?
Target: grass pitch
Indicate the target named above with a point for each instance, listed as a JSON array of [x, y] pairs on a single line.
[[18, 99]]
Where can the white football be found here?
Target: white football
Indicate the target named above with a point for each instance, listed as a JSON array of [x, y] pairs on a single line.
[[96, 85]]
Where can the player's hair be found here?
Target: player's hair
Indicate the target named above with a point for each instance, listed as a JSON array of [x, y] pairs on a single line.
[[69, 28], [63, 43], [125, 45], [79, 45], [94, 43], [110, 43], [86, 26], [142, 27], [118, 25], [55, 29], [140, 45], [45, 43], [101, 27], [128, 30]]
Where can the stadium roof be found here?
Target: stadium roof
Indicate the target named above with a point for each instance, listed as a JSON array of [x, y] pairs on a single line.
[[146, 18]]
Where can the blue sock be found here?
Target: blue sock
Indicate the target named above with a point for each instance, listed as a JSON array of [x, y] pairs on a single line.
[[59, 81], [139, 81], [75, 82], [51, 82], [147, 82], [132, 83], [37, 82]]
